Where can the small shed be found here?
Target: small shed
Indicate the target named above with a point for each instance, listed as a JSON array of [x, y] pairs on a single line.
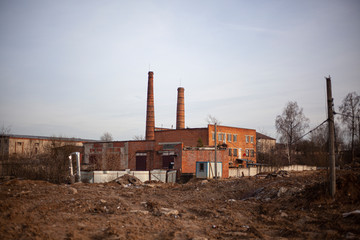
[[207, 169]]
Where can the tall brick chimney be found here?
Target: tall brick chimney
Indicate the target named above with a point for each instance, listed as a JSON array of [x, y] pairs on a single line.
[[180, 112], [150, 114]]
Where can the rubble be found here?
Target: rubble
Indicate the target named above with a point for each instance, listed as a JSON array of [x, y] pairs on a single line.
[[298, 207], [279, 173], [128, 180]]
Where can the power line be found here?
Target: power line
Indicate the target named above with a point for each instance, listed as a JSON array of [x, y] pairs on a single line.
[[310, 131], [345, 115]]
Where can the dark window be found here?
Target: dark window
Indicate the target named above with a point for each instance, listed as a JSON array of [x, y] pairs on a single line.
[[168, 162], [230, 151], [235, 152], [229, 136], [202, 167]]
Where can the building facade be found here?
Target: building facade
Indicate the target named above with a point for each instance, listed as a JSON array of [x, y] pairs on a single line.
[[30, 146]]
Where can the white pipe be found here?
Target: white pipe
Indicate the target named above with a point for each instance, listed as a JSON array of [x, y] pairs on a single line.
[[78, 172], [78, 166], [70, 166]]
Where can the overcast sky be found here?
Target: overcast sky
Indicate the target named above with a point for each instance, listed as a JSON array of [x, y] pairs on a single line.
[[79, 68]]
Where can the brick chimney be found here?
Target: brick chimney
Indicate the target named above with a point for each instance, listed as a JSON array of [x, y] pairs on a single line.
[[180, 112], [150, 114]]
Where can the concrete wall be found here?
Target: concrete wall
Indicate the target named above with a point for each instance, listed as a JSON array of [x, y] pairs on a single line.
[[31, 145], [107, 176], [252, 171]]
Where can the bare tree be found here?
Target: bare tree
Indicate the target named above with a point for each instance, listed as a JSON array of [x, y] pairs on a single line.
[[350, 114], [139, 137], [212, 120], [106, 137], [5, 130], [291, 124]]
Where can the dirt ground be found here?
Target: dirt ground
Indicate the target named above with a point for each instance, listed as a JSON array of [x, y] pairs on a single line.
[[295, 207]]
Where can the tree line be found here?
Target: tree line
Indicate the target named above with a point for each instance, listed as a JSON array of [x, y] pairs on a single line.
[[301, 145]]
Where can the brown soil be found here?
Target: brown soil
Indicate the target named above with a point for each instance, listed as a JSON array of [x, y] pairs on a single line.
[[295, 207]]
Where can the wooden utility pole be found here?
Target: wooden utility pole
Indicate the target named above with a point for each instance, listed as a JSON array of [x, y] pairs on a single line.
[[215, 154], [331, 138]]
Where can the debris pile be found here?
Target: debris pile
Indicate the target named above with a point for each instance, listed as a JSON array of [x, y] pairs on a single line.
[[296, 207], [279, 173], [128, 180]]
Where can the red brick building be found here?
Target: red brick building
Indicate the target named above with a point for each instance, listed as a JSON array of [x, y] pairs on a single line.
[[178, 148]]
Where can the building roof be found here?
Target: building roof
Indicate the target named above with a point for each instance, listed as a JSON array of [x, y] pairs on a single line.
[[47, 138], [262, 136]]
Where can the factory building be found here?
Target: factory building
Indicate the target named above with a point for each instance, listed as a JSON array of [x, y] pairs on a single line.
[[12, 145], [181, 148]]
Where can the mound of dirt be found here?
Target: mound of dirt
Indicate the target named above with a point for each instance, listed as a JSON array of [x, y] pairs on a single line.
[[347, 190], [295, 207]]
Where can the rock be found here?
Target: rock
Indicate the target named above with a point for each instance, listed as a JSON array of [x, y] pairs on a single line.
[[72, 190], [102, 201], [281, 191], [168, 211], [140, 211], [283, 214], [204, 181]]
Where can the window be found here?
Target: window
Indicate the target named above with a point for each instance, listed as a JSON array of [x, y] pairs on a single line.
[[235, 151], [234, 138], [252, 139], [213, 136], [252, 153], [247, 152], [229, 137], [202, 167], [221, 136], [230, 151], [246, 139]]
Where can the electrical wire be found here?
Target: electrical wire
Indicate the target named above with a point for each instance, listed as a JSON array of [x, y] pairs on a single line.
[[310, 131]]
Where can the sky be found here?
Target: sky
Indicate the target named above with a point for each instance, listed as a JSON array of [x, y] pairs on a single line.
[[79, 68]]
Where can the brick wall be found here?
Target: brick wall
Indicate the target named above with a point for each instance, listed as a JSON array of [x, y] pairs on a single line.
[[188, 136], [240, 143], [190, 157], [118, 155]]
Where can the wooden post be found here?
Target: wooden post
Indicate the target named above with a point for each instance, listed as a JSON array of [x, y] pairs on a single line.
[[331, 138]]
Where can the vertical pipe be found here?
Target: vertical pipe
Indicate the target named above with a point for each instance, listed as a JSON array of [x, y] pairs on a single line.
[[215, 153], [180, 111], [150, 114], [331, 138], [78, 166]]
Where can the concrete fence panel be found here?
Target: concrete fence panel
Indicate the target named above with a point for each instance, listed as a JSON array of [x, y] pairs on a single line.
[[171, 176], [252, 171], [108, 176]]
